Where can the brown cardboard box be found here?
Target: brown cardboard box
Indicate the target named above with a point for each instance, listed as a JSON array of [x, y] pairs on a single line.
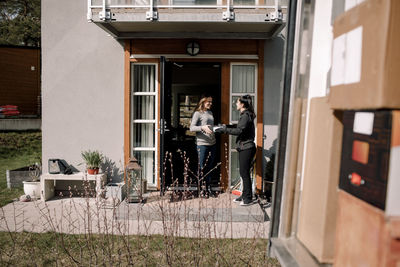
[[318, 201], [364, 236], [366, 57]]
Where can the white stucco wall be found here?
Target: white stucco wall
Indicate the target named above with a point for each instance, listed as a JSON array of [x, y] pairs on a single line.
[[82, 86]]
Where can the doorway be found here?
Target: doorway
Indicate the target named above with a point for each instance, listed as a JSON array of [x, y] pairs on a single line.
[[185, 83]]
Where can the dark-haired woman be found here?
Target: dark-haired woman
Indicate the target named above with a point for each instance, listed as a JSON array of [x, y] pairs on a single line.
[[245, 145]]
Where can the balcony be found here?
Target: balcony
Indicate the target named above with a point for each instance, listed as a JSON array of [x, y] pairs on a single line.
[[216, 19]]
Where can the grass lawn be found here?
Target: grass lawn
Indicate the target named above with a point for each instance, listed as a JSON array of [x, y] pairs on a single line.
[[17, 149], [53, 249]]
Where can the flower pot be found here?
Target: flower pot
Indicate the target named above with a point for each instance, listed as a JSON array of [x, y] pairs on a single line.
[[32, 189], [93, 171]]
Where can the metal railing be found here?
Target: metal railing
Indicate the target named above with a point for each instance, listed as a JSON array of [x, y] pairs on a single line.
[[152, 5]]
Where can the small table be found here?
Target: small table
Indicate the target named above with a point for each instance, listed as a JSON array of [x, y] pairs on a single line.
[[47, 182]]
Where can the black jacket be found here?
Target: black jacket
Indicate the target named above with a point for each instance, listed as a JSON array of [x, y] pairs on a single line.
[[244, 130]]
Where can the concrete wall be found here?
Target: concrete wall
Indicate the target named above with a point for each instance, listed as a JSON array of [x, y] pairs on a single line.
[[20, 124], [82, 87], [273, 75]]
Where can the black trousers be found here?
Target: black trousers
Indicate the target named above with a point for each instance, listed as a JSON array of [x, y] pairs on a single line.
[[245, 159]]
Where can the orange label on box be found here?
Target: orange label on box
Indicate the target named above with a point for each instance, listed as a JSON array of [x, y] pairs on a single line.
[[360, 151]]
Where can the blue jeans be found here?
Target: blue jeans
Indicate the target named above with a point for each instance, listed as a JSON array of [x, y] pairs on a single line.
[[206, 162]]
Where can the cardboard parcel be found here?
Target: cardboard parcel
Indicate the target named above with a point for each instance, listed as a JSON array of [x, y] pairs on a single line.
[[366, 57]]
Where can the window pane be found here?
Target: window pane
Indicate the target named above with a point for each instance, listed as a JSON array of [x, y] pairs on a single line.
[[194, 2], [143, 135], [144, 79], [243, 78], [235, 175], [244, 2], [235, 112], [146, 160], [143, 107], [233, 143]]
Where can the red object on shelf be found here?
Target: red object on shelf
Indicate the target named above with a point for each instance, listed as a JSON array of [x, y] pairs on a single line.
[[9, 110]]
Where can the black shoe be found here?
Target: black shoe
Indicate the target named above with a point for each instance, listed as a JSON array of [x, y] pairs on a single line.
[[238, 200], [246, 202]]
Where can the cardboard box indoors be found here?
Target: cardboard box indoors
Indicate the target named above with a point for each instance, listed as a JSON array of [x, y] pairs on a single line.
[[364, 236], [366, 57], [318, 201]]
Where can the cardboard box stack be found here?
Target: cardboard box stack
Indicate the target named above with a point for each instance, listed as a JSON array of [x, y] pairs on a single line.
[[364, 83], [366, 57], [318, 201]]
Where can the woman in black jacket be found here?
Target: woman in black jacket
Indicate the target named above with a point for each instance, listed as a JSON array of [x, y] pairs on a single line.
[[245, 145]]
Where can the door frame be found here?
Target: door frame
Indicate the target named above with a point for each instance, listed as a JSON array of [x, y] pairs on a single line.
[[256, 55]]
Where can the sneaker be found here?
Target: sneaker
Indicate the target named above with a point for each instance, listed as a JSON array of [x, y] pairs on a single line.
[[238, 200], [246, 202]]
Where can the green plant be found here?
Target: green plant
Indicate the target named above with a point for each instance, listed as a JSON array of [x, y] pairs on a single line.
[[92, 159]]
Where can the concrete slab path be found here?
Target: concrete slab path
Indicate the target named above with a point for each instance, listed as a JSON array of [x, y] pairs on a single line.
[[213, 217]]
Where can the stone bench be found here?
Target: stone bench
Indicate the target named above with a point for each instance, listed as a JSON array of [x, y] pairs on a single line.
[[47, 182]]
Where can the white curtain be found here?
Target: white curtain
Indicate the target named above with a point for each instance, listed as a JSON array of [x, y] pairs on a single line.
[[243, 82], [143, 115]]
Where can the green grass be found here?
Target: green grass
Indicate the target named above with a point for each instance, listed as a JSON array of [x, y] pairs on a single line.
[[17, 149], [53, 249]]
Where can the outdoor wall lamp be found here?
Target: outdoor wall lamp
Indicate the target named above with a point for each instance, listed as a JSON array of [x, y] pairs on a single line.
[[193, 48]]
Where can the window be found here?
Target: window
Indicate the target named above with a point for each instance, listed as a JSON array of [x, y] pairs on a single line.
[[144, 118], [243, 81]]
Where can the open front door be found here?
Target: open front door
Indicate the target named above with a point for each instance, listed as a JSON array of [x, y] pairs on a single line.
[[182, 85], [165, 123]]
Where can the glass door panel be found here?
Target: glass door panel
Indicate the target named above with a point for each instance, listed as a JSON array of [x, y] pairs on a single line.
[[243, 82], [144, 118]]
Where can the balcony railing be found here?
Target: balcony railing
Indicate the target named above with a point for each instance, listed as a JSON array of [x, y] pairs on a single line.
[[153, 5]]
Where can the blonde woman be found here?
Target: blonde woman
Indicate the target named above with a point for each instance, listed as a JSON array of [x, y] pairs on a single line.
[[202, 122]]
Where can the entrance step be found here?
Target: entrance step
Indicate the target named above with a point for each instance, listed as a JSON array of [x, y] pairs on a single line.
[[220, 209]]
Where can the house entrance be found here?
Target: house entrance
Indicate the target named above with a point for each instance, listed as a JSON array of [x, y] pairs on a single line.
[[185, 83]]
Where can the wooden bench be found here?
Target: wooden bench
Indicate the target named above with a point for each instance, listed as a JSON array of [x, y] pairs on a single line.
[[47, 182]]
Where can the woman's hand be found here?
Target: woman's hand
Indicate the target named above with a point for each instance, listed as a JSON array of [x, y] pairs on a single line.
[[206, 129], [221, 129]]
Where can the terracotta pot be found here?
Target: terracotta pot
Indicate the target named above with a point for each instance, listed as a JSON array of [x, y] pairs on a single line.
[[93, 171]]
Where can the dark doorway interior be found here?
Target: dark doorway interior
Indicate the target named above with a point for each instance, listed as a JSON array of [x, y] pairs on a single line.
[[185, 84]]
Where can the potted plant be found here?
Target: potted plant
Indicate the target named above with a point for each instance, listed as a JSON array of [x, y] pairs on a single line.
[[32, 187], [92, 159]]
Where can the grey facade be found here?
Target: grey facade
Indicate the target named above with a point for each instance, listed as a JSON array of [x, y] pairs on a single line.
[[82, 86]]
